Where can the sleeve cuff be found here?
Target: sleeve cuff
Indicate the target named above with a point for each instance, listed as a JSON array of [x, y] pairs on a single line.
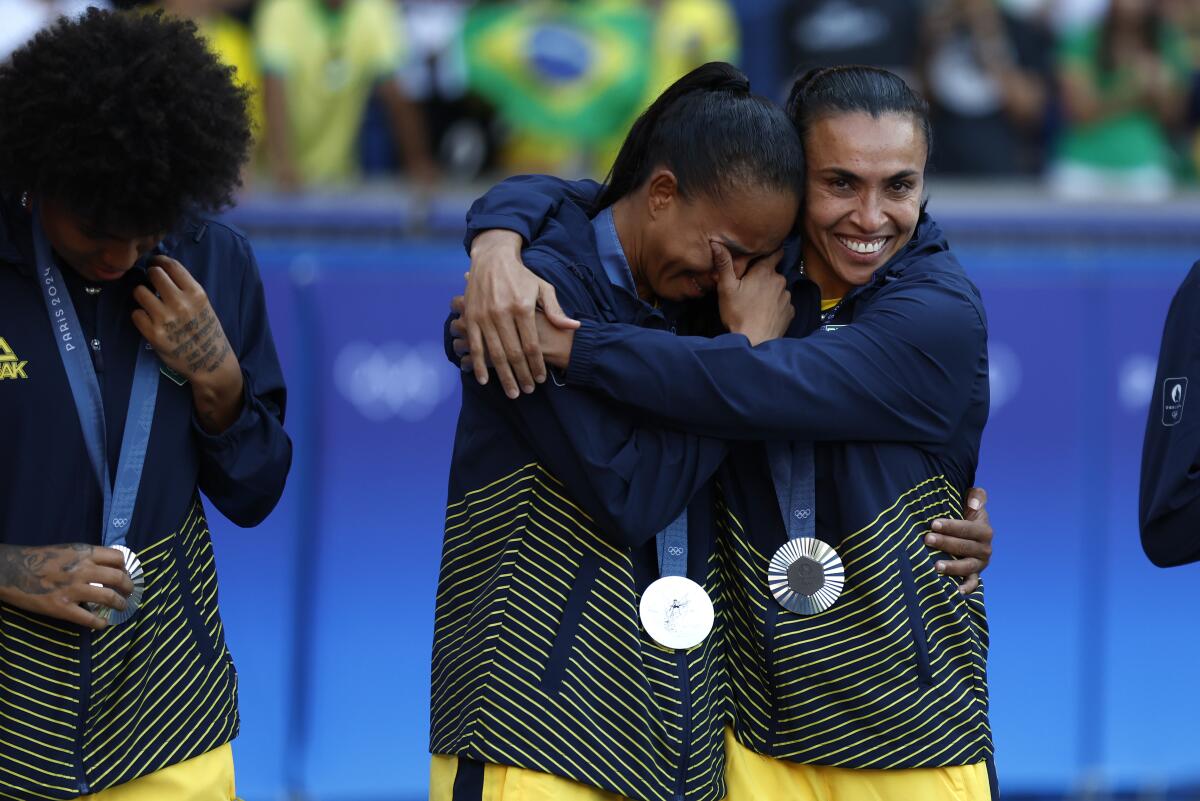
[[246, 420], [448, 341], [485, 222], [583, 355]]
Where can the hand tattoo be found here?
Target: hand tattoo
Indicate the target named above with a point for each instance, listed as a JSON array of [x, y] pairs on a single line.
[[21, 568], [200, 342]]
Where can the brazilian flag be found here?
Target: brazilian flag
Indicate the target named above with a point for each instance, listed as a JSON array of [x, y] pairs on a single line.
[[570, 69]]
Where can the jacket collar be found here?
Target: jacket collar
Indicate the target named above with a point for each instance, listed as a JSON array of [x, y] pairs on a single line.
[[571, 231], [926, 240]]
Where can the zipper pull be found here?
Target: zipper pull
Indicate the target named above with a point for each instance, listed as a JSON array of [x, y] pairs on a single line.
[[97, 355]]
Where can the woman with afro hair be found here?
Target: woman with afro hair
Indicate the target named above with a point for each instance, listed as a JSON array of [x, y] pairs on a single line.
[[137, 370]]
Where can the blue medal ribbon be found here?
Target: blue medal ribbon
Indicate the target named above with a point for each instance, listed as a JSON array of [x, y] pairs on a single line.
[[805, 575], [672, 544], [119, 500], [794, 474]]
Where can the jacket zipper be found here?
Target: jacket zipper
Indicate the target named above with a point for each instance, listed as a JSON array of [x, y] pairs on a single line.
[[85, 692], [685, 688]]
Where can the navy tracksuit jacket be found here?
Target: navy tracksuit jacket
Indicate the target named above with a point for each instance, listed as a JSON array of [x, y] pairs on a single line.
[[894, 392]]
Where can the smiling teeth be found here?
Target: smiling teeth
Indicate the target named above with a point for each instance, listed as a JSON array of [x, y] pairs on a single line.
[[874, 246]]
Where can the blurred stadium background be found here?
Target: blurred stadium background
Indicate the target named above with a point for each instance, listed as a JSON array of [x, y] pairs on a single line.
[[1065, 174]]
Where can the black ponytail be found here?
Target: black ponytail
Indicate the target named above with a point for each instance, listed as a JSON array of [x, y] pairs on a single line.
[[824, 91], [712, 133]]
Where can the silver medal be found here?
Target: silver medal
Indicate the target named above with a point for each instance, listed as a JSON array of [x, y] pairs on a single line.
[[676, 612], [134, 568], [806, 576]]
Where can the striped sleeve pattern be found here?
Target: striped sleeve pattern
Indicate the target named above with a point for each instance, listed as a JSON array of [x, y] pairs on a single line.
[[109, 707], [539, 660], [892, 676]]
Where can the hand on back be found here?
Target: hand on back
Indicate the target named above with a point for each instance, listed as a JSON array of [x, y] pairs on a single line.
[[499, 314]]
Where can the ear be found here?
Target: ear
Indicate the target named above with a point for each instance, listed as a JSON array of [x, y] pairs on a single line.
[[662, 190]]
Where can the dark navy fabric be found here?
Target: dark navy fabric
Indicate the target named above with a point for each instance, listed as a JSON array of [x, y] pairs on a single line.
[[1170, 491]]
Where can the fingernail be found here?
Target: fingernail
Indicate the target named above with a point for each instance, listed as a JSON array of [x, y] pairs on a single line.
[[512, 393], [974, 503], [541, 379], [940, 567], [931, 539], [937, 525], [527, 389]]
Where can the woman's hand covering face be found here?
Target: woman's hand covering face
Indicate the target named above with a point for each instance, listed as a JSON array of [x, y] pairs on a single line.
[[757, 303]]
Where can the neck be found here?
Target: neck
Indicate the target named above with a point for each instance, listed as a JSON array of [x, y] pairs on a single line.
[[630, 234], [817, 271]]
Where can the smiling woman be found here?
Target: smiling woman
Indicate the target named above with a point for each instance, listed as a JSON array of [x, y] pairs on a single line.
[[863, 196], [850, 437], [866, 139]]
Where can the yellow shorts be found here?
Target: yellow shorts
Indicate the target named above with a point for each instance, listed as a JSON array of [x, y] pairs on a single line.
[[750, 776], [505, 783], [208, 777]]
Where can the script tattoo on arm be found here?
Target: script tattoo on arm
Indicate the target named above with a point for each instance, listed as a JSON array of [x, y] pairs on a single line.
[[201, 351], [200, 342]]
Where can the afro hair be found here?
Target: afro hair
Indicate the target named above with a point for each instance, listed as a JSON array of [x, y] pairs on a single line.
[[127, 119]]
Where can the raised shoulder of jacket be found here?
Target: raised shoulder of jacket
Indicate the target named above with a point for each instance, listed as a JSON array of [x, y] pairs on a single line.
[[198, 229]]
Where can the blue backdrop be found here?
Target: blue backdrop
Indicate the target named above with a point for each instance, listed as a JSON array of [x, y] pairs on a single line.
[[329, 604]]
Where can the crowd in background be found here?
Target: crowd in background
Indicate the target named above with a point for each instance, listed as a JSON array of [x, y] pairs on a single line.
[[1095, 97]]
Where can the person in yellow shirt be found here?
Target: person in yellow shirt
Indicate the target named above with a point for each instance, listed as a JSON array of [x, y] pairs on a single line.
[[321, 61], [687, 33], [230, 40]]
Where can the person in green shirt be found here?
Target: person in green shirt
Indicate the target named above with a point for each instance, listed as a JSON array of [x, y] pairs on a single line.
[[1123, 86]]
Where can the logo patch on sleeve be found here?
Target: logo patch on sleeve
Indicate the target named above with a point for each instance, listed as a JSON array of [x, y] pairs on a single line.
[[10, 365], [1174, 396]]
